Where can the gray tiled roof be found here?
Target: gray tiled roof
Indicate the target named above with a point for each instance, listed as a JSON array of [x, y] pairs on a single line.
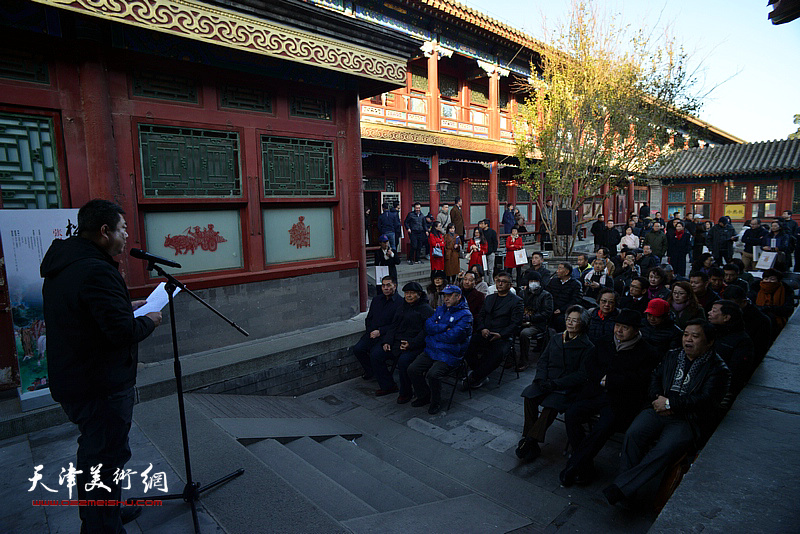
[[736, 159]]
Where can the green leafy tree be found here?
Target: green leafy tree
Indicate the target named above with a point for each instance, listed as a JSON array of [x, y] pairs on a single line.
[[601, 111], [796, 135]]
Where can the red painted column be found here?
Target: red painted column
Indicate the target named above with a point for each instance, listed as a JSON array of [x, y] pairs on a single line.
[[494, 105], [433, 179], [631, 202], [491, 210], [101, 161], [433, 94], [606, 201], [352, 209]]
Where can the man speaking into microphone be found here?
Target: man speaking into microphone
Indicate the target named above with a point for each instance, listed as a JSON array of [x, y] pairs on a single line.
[[92, 351]]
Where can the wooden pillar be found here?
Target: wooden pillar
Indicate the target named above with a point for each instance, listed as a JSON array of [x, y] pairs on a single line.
[[433, 179], [606, 201], [352, 209], [631, 201], [494, 105], [101, 164], [433, 95], [491, 210]]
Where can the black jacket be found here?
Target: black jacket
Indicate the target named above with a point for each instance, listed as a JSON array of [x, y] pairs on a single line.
[[565, 366], [502, 315], [598, 230], [701, 404], [543, 271], [759, 327], [415, 222], [663, 337], [491, 242], [601, 329], [381, 312], [627, 375], [753, 237], [538, 306], [409, 324], [736, 349], [646, 263], [564, 295], [628, 302], [611, 239], [392, 263], [92, 336]]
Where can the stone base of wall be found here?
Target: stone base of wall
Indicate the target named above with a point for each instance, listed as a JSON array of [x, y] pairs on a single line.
[[263, 309]]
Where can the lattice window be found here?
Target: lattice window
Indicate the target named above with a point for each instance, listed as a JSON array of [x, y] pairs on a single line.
[[28, 162], [189, 162], [448, 86], [391, 185], [311, 108], [164, 87], [765, 192], [479, 94], [245, 98], [480, 191], [20, 65], [676, 195], [420, 191], [419, 78], [297, 167], [504, 100], [451, 193], [375, 183], [502, 192], [735, 193], [701, 194], [796, 198], [523, 195]]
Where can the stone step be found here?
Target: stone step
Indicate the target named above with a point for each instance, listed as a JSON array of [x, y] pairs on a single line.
[[469, 513], [514, 494], [249, 430], [364, 486], [391, 476], [325, 493]]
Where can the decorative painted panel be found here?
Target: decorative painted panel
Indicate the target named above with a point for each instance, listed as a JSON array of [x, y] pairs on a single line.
[[28, 162], [164, 87], [420, 191], [297, 234], [245, 98], [311, 108], [701, 194], [189, 162], [297, 167], [24, 66], [198, 240]]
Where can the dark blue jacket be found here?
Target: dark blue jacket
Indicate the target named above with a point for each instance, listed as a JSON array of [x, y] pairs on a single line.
[[381, 312], [448, 332], [415, 222], [388, 222], [508, 221], [781, 241]]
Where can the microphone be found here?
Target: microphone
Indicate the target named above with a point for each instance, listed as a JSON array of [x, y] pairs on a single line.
[[142, 255]]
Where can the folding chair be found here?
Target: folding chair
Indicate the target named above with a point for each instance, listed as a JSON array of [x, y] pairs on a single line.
[[457, 373]]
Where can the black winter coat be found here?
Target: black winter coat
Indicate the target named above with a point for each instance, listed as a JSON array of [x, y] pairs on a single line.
[[736, 349], [701, 404], [565, 365], [663, 337], [538, 306], [92, 335], [381, 312], [409, 325], [502, 315], [601, 329], [564, 295]]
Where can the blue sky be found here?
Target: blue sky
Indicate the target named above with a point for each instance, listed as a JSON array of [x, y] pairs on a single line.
[[755, 64]]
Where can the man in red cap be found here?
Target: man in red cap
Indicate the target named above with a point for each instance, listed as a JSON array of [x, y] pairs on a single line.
[[659, 328]]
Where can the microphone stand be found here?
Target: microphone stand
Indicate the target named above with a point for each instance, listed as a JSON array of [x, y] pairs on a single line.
[[192, 490]]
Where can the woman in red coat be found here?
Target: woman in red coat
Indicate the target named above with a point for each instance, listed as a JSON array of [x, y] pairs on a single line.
[[477, 248], [513, 242], [436, 243]]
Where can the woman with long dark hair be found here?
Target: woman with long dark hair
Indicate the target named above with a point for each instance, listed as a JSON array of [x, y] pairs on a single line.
[[452, 245], [683, 304], [436, 244], [703, 263]]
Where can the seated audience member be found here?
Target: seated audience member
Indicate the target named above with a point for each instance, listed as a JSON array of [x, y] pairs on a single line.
[[537, 266], [658, 328], [731, 274], [623, 278], [733, 344], [404, 340], [481, 286], [493, 288], [745, 276], [379, 318], [647, 260], [560, 373], [672, 277], [700, 285], [581, 266], [447, 334], [566, 292], [687, 389], [473, 297], [775, 299], [636, 299], [683, 305], [434, 289], [618, 375], [658, 280], [498, 322], [538, 307], [716, 280], [601, 318], [756, 323], [385, 256], [596, 278], [703, 264]]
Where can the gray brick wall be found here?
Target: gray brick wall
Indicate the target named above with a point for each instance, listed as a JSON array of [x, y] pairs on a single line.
[[262, 308]]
